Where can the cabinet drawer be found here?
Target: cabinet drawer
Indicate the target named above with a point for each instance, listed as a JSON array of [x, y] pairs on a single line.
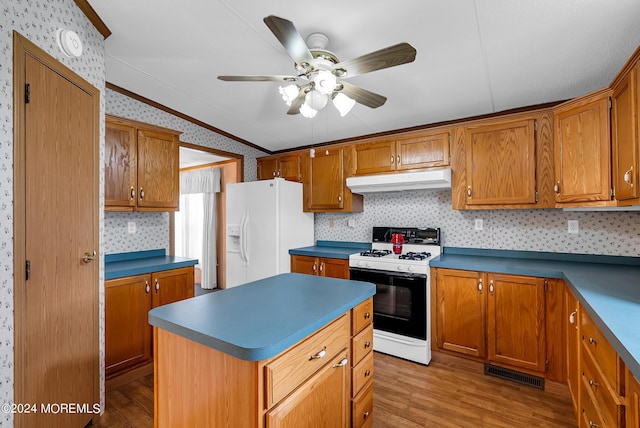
[[362, 344], [362, 373], [361, 316], [601, 351], [295, 365], [589, 416], [362, 409], [611, 410]]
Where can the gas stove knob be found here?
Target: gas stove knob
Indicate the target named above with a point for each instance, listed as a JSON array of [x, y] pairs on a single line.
[[369, 264], [410, 268], [360, 263], [400, 267]]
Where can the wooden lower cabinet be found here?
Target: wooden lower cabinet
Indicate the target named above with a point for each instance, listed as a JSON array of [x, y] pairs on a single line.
[[128, 335], [497, 318], [572, 327], [308, 385], [633, 401], [322, 266]]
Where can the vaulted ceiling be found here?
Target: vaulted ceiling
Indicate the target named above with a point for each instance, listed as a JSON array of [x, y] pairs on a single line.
[[473, 57]]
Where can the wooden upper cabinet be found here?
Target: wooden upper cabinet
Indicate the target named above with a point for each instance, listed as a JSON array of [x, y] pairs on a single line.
[[326, 179], [141, 166], [625, 132], [582, 155], [288, 167], [516, 321], [402, 153], [501, 163], [120, 174]]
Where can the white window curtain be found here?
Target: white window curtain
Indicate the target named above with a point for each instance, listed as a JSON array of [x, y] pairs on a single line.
[[196, 221]]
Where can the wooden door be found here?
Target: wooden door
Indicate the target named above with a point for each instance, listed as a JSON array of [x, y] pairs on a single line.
[[326, 179], [304, 264], [515, 321], [334, 268], [56, 225], [625, 134], [158, 170], [423, 151], [572, 325], [127, 302], [375, 157], [267, 168], [120, 184], [290, 168], [583, 152], [322, 401], [501, 163], [172, 286], [461, 308]]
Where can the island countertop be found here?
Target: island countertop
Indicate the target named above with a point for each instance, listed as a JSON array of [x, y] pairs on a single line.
[[258, 320], [606, 286]]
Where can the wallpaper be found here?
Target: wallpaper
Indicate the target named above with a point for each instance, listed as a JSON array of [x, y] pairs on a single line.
[[610, 233], [152, 229], [37, 20]]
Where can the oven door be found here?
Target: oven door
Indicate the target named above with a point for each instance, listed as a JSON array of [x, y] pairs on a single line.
[[400, 302]]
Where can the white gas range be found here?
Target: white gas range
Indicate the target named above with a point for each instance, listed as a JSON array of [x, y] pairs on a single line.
[[401, 304]]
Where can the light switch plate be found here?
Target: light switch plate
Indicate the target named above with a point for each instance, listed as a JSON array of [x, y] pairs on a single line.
[[131, 226], [573, 226], [479, 224]]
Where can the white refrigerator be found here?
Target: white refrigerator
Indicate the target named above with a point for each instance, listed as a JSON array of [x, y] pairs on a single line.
[[264, 221]]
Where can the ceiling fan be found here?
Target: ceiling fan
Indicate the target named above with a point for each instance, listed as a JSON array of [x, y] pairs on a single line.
[[319, 74]]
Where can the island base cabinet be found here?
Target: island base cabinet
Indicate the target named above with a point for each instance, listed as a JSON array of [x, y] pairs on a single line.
[[633, 401], [362, 412], [322, 401]]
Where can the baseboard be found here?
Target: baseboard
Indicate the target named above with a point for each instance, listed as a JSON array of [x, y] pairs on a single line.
[[128, 376]]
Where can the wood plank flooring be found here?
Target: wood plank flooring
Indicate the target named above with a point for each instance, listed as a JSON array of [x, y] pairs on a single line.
[[450, 392]]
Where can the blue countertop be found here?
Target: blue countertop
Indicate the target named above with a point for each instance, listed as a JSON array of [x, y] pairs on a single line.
[[140, 262], [607, 287], [332, 249], [258, 320]]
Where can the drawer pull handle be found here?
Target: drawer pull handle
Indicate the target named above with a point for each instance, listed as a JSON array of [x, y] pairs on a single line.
[[593, 383], [593, 424], [367, 344], [572, 317], [367, 373], [147, 287], [367, 315], [593, 341], [342, 363], [319, 354], [366, 415]]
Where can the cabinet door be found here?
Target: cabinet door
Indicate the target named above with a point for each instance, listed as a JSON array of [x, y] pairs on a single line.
[[290, 168], [375, 157], [515, 321], [326, 179], [633, 402], [127, 332], [461, 308], [158, 170], [267, 168], [423, 151], [626, 147], [120, 165], [582, 152], [501, 163], [334, 268], [322, 401], [304, 264], [573, 346], [172, 286]]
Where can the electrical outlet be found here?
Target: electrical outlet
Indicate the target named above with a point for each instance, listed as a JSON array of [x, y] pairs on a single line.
[[331, 223], [131, 226], [479, 224], [573, 226]]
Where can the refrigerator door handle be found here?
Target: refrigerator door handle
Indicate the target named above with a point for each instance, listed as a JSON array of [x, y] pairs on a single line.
[[241, 238], [245, 238]]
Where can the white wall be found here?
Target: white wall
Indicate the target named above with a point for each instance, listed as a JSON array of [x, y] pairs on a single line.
[[38, 21], [610, 233]]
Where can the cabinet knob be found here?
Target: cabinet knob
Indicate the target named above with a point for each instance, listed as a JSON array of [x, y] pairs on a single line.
[[321, 267], [88, 257], [157, 286], [314, 267], [572, 317], [592, 341], [367, 344], [628, 176], [556, 187], [593, 424], [367, 373], [319, 355], [339, 198], [392, 159], [398, 159], [468, 191], [147, 287], [593, 383], [133, 193], [367, 315], [480, 286], [274, 173], [491, 287], [141, 194]]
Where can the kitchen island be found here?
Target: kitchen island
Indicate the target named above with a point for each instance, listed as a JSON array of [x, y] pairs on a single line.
[[274, 352]]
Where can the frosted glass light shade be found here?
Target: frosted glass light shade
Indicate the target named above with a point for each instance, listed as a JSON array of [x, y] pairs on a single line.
[[307, 111], [343, 103], [315, 100], [289, 93]]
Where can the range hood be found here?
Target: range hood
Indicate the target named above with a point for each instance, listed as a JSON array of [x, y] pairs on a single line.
[[428, 179]]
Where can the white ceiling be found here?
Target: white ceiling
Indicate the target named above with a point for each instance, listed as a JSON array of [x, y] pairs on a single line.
[[474, 57]]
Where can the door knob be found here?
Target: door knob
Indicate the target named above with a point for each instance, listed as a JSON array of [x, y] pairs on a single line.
[[89, 257]]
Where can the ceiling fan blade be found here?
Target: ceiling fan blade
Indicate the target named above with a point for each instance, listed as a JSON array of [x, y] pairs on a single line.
[[297, 102], [362, 96], [391, 56], [273, 78], [286, 33]]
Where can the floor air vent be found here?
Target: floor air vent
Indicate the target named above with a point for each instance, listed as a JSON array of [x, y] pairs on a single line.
[[514, 376]]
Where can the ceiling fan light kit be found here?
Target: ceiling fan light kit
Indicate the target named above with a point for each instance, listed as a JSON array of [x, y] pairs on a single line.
[[318, 71]]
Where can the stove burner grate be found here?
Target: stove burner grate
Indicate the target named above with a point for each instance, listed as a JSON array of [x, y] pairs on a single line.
[[375, 253], [415, 256]]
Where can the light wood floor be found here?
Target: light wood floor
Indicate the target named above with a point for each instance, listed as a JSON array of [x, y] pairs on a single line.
[[450, 392]]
